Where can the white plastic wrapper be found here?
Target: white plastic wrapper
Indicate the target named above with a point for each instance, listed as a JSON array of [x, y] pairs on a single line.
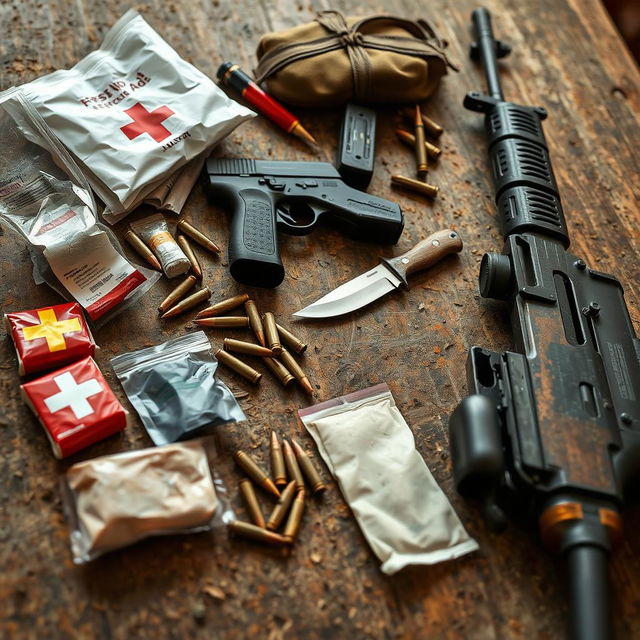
[[369, 449], [133, 112], [44, 198]]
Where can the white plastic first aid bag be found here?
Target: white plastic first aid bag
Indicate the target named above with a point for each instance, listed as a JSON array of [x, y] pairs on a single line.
[[132, 113], [45, 199]]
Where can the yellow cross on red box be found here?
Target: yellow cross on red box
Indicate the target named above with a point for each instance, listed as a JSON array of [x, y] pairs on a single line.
[[51, 329]]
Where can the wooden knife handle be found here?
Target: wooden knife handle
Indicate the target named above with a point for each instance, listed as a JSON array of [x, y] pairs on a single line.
[[425, 254]]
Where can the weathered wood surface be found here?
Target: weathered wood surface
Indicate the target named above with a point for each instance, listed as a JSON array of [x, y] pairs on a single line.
[[566, 57]]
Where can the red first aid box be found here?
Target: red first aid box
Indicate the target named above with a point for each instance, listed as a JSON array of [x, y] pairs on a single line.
[[75, 406], [49, 337]]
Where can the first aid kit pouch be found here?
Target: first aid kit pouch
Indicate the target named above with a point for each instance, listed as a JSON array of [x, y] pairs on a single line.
[[46, 200], [132, 113]]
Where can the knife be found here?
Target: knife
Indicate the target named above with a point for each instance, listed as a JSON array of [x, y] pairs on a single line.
[[390, 274]]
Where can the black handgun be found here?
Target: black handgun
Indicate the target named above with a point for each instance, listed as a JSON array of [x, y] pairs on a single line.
[[295, 196], [551, 431]]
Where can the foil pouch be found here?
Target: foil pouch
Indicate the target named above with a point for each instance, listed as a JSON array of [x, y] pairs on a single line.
[[174, 389]]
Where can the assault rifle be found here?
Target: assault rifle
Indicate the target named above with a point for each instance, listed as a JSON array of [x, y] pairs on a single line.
[[552, 430]]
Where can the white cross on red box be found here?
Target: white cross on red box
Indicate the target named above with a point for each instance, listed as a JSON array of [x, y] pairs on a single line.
[[73, 395], [75, 406]]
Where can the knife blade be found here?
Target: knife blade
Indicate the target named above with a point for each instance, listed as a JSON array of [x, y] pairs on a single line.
[[390, 274]]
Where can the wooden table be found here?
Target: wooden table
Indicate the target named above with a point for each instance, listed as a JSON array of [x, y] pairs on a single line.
[[568, 58]]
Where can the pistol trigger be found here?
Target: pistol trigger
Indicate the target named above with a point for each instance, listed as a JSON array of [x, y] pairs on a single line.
[[284, 216]]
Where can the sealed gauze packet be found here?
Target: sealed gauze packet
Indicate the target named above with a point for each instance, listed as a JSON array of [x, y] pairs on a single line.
[[117, 500], [370, 450], [46, 200], [133, 112]]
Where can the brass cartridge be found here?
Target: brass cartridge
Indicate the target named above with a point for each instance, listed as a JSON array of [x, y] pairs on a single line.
[[238, 366], [252, 531], [254, 321], [191, 301], [430, 125], [422, 167], [292, 341], [188, 283], [223, 306], [188, 251], [251, 468], [138, 245], [291, 462], [272, 337], [290, 363], [282, 506], [308, 469], [279, 371], [278, 470], [251, 500], [295, 518], [423, 188], [199, 237], [410, 140], [224, 322], [248, 348]]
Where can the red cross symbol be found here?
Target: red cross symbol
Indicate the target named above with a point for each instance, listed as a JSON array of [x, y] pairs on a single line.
[[147, 122]]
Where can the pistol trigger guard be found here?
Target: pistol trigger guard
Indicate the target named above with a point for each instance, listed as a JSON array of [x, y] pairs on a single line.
[[291, 224]]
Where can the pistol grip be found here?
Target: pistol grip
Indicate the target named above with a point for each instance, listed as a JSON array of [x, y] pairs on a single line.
[[253, 244]]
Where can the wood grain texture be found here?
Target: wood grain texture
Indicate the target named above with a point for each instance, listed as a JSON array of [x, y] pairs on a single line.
[[568, 58]]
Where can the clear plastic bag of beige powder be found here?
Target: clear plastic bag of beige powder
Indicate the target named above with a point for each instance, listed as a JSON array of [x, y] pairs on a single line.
[[114, 501], [369, 448]]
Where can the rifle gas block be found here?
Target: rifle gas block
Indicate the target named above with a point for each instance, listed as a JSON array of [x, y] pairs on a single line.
[[294, 197]]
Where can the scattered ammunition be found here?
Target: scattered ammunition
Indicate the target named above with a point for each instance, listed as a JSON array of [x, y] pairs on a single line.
[[240, 346], [309, 471], [191, 301], [254, 532], [422, 167], [293, 470], [141, 249], [277, 461], [415, 185], [251, 500], [254, 321], [290, 363], [188, 251], [222, 307], [226, 322], [251, 468], [282, 506], [272, 336], [430, 125], [178, 293], [279, 371], [199, 237], [293, 342], [410, 140], [295, 518], [237, 365]]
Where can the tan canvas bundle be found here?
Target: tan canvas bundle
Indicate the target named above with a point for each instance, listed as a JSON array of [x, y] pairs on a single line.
[[334, 59]]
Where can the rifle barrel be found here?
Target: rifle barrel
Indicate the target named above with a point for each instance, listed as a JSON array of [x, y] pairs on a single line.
[[487, 45]]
